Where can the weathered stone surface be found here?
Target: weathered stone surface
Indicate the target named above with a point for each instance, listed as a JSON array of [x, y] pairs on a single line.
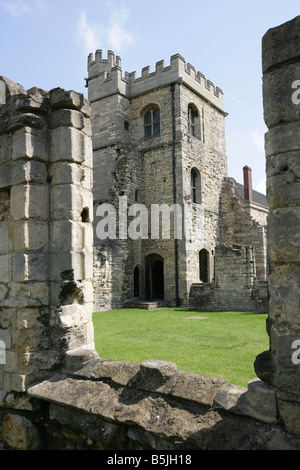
[[117, 371], [157, 375], [280, 44], [19, 433], [289, 410], [262, 400], [78, 358]]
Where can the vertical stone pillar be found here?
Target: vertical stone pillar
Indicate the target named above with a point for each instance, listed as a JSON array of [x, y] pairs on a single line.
[[46, 235], [279, 367], [71, 231]]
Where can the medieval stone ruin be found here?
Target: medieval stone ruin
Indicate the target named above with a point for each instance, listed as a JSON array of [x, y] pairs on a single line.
[[55, 390]]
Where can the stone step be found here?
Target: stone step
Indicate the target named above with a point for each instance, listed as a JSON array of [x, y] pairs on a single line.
[[144, 304]]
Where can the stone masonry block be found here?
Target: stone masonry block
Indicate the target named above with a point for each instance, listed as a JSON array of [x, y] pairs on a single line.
[[67, 118], [63, 99], [280, 44], [30, 236], [67, 235], [12, 362], [27, 171], [5, 268], [5, 238], [30, 143], [19, 433], [262, 399], [282, 138], [5, 335], [33, 294], [68, 202], [30, 318], [283, 234], [5, 149], [29, 267], [71, 173], [67, 144], [283, 187], [75, 314], [32, 339], [77, 266], [278, 104], [29, 201]]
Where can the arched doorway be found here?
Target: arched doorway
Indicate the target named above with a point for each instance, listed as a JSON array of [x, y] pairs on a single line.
[[154, 287], [204, 265]]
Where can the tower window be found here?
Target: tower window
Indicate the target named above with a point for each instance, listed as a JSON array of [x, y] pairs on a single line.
[[194, 121], [152, 122], [195, 186]]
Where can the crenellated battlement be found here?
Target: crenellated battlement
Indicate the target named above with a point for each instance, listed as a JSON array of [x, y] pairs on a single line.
[[105, 77]]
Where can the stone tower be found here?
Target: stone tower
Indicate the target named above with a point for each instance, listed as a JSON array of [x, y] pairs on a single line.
[[158, 140]]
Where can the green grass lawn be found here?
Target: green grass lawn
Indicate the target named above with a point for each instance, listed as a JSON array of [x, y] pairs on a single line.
[[218, 344]]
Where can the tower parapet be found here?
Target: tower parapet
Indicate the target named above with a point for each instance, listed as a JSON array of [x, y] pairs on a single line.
[[105, 77]]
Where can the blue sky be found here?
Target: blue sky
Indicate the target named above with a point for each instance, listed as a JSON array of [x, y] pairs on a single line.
[[45, 43]]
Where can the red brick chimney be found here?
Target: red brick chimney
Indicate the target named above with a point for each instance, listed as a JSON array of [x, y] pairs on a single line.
[[247, 183]]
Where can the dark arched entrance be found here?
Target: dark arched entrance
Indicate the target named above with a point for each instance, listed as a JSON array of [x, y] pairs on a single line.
[[154, 287]]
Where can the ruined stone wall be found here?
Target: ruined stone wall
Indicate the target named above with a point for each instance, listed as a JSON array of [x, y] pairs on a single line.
[[45, 231], [235, 287], [238, 226]]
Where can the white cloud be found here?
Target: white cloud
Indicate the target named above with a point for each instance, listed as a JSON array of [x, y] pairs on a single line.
[[118, 35], [18, 8], [90, 34], [256, 139], [112, 36]]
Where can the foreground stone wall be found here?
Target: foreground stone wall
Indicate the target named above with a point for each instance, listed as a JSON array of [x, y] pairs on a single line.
[[111, 405]]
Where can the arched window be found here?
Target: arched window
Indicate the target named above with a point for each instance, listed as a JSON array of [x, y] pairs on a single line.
[[196, 186], [152, 122], [194, 121]]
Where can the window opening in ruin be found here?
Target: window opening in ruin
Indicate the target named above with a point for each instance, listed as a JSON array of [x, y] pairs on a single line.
[[195, 186], [137, 195], [126, 126], [152, 122], [85, 215], [100, 261], [204, 264]]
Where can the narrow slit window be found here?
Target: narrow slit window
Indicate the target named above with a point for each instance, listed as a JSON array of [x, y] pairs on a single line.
[[195, 186]]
